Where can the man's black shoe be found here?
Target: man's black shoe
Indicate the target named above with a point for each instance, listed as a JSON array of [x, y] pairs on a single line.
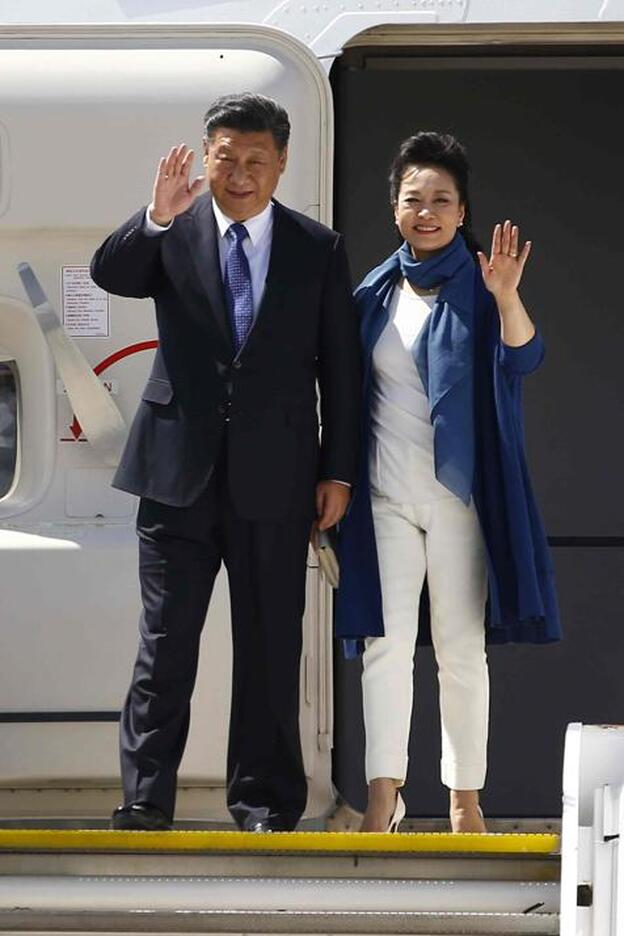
[[141, 817], [257, 821], [259, 825]]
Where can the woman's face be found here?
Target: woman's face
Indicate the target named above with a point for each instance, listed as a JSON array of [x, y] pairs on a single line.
[[428, 209]]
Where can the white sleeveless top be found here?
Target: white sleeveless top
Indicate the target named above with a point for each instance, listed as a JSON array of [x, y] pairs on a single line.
[[401, 451]]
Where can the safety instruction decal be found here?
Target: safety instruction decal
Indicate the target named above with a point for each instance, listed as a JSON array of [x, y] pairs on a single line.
[[86, 310]]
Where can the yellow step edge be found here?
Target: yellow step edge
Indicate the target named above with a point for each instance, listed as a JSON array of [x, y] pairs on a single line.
[[96, 840]]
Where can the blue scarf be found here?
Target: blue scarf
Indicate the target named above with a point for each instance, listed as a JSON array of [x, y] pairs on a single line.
[[443, 352]]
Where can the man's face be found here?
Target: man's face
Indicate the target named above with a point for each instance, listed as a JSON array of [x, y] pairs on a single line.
[[242, 170]]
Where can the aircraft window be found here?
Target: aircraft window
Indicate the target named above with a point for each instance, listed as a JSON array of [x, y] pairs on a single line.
[[8, 427]]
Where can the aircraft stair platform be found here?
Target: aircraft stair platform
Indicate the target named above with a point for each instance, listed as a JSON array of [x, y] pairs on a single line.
[[96, 881]]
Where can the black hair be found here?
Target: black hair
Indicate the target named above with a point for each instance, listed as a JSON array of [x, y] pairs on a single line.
[[430, 148], [249, 113]]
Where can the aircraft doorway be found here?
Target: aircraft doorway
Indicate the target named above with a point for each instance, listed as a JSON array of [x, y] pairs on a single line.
[[546, 144]]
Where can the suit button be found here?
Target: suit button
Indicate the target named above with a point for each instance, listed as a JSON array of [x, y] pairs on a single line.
[[237, 365]]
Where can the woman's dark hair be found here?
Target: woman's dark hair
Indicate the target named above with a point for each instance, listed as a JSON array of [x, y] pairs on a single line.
[[249, 113], [429, 148]]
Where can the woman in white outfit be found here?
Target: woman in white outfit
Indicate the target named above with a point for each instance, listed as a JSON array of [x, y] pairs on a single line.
[[435, 326]]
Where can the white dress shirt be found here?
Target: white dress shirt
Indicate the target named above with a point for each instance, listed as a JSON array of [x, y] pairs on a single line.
[[257, 246]]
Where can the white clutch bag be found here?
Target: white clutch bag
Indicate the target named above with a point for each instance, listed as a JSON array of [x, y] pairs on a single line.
[[328, 560]]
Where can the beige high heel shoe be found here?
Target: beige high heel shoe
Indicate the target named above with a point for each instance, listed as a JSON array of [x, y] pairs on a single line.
[[398, 815]]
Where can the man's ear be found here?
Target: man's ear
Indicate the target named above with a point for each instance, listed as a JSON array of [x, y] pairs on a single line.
[[206, 144], [283, 159]]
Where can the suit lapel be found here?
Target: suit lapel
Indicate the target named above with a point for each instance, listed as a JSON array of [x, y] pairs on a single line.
[[282, 260], [200, 233]]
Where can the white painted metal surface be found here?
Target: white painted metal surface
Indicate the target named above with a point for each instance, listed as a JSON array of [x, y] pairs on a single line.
[[309, 20], [592, 874], [266, 894]]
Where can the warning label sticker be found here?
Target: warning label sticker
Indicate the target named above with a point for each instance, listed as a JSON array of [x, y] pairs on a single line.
[[86, 310]]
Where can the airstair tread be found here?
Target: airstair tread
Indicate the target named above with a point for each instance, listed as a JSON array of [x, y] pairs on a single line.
[[321, 843], [259, 922]]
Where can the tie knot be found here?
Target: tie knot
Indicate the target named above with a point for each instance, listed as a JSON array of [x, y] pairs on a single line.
[[237, 232]]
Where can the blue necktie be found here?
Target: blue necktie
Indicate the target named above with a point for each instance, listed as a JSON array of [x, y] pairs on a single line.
[[238, 284]]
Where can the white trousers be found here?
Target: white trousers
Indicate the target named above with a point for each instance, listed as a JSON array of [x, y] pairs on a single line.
[[443, 541]]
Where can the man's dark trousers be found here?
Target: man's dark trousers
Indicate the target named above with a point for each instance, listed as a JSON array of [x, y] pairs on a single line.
[[180, 552]]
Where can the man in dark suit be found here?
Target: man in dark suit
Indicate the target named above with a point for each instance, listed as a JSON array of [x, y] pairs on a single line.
[[253, 303]]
